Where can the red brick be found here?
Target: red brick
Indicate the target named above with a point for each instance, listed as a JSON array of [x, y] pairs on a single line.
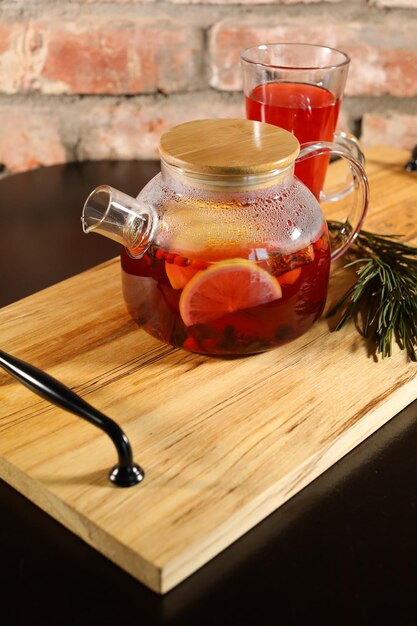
[[384, 56], [392, 129], [11, 56], [113, 57], [29, 138]]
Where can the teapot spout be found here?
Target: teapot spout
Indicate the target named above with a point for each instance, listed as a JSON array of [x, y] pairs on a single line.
[[120, 217]]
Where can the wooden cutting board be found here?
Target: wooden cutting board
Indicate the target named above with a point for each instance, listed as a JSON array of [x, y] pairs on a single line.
[[223, 442]]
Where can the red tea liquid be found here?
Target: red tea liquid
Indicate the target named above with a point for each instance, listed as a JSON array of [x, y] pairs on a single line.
[[307, 111], [155, 287]]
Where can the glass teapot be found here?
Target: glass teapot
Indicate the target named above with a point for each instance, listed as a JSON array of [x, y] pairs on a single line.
[[225, 252]]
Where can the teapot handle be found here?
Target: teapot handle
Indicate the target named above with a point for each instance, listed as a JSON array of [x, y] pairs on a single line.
[[351, 143], [344, 238]]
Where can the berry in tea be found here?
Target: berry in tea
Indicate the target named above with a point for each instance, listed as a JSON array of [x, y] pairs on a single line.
[[230, 306], [231, 272]]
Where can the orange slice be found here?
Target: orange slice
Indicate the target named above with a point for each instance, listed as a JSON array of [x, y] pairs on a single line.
[[226, 287], [179, 276], [289, 278]]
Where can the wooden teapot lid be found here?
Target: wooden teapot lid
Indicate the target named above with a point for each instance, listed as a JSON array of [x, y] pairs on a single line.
[[228, 146]]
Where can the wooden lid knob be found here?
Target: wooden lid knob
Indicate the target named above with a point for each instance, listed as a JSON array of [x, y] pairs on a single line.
[[228, 146]]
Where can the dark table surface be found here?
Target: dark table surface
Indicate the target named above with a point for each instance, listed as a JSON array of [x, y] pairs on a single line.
[[342, 551]]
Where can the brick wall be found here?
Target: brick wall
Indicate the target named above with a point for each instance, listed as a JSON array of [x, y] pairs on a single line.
[[95, 79]]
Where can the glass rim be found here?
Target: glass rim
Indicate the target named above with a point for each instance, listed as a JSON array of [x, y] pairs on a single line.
[[265, 46]]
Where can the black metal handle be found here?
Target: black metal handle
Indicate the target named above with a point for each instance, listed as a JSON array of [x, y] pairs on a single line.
[[126, 473]]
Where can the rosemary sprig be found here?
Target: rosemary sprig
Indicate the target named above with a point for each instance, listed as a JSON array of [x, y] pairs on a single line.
[[385, 292]]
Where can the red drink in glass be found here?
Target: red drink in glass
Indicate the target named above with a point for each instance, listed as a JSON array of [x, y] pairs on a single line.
[[307, 111], [299, 87]]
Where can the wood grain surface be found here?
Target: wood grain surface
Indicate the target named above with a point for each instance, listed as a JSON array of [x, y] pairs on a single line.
[[223, 442]]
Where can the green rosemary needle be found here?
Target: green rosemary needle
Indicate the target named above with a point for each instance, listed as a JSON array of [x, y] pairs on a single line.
[[385, 291]]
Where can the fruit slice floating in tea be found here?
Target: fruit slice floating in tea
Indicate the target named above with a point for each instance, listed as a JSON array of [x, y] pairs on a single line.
[[224, 288], [182, 270], [289, 278], [284, 263], [179, 276]]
